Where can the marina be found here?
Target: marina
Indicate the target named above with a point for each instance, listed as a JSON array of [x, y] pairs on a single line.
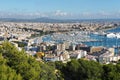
[[106, 39], [72, 37]]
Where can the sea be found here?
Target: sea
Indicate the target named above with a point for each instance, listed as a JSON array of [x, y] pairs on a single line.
[[103, 40]]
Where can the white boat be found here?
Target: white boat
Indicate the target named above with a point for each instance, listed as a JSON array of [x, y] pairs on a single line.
[[111, 35]]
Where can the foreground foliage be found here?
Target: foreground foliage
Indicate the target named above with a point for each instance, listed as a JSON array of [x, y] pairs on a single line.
[[7, 73], [17, 65], [88, 70]]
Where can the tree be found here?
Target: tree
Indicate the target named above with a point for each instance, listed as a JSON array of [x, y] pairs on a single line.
[[80, 70], [6, 73], [111, 72], [26, 65]]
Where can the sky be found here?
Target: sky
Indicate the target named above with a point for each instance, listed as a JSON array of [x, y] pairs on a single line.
[[60, 9]]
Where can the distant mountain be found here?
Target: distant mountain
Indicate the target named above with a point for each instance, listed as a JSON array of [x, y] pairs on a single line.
[[48, 20], [30, 20]]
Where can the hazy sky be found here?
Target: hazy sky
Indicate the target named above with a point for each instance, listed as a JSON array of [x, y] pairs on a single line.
[[77, 9]]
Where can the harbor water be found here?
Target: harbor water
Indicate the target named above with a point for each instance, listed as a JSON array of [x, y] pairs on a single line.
[[105, 41]]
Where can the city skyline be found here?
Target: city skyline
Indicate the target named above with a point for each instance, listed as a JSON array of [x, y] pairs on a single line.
[[60, 9]]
